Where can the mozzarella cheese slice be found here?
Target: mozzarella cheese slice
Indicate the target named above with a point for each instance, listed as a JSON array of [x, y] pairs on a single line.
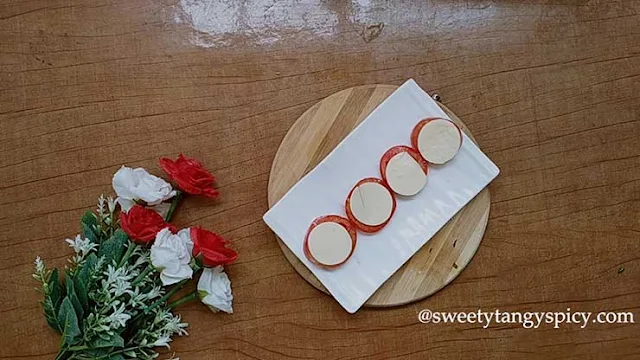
[[439, 141], [371, 203], [404, 175], [330, 243]]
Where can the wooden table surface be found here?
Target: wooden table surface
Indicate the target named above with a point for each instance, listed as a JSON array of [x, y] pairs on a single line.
[[550, 89]]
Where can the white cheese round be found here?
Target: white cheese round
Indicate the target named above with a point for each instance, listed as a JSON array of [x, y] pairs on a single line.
[[371, 203], [439, 141], [329, 243], [404, 175]]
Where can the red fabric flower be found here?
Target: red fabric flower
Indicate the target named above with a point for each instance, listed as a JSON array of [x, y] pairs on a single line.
[[142, 224], [211, 248], [189, 175]]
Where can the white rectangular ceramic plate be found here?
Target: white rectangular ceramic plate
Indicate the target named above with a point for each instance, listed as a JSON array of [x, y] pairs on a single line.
[[324, 189]]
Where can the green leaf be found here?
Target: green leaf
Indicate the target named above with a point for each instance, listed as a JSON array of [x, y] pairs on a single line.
[[88, 233], [81, 293], [115, 357], [97, 352], [115, 341], [52, 299], [84, 274], [90, 218], [50, 314], [55, 292], [71, 333], [104, 336], [89, 224], [130, 353], [113, 248], [73, 298]]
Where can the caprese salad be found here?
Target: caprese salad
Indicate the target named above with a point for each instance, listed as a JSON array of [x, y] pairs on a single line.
[[371, 203]]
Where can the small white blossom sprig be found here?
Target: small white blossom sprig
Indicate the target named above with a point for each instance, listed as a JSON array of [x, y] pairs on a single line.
[[82, 248], [158, 332], [103, 308], [130, 285], [48, 280], [106, 210], [112, 301]]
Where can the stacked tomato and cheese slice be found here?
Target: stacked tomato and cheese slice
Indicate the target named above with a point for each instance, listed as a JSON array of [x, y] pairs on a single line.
[[404, 170], [437, 140], [370, 205], [330, 241]]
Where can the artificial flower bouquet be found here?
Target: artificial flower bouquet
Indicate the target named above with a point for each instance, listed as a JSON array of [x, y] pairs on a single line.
[[112, 301]]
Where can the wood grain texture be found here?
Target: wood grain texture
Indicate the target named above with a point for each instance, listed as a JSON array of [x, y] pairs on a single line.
[[550, 90], [314, 135]]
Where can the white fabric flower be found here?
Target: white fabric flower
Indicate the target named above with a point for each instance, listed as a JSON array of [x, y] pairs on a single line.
[[137, 184], [170, 255], [214, 289], [185, 236]]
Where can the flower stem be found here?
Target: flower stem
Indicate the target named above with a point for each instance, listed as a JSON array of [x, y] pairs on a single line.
[[194, 266], [174, 204], [166, 296], [78, 348], [142, 275], [189, 297], [61, 354], [127, 255], [118, 352]]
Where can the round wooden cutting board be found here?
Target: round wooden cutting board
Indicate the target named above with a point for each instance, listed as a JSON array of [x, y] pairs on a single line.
[[314, 135]]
